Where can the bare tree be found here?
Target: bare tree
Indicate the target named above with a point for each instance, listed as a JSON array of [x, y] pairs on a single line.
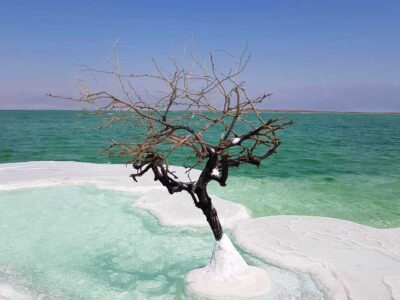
[[194, 101]]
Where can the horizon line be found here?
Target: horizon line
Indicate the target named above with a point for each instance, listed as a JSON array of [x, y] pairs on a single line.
[[260, 110]]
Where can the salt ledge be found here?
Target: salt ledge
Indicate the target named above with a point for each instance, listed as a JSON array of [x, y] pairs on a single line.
[[349, 260]]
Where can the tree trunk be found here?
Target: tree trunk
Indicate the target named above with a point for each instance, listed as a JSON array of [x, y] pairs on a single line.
[[213, 220], [205, 204]]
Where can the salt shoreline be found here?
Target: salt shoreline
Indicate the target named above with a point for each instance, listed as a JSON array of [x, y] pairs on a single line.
[[351, 261]]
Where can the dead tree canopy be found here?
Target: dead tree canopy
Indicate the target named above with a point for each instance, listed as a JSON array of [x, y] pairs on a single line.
[[194, 106]]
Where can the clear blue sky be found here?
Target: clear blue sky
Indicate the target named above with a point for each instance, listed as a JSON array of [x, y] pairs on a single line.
[[322, 55]]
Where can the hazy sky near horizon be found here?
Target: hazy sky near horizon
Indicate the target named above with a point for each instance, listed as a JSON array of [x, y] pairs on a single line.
[[313, 55]]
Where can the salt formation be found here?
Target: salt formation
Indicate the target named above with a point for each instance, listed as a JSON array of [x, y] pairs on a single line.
[[235, 140], [178, 209], [7, 292], [228, 275], [351, 261]]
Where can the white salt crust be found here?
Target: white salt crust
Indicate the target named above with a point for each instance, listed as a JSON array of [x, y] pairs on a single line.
[[179, 209], [228, 275], [7, 292], [348, 260]]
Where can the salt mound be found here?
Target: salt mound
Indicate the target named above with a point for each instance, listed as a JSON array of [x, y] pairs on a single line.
[[228, 275]]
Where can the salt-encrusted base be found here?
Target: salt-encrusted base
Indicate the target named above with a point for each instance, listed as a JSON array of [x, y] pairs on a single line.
[[228, 275]]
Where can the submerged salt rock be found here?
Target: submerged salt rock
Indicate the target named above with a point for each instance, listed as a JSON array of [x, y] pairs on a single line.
[[227, 274]]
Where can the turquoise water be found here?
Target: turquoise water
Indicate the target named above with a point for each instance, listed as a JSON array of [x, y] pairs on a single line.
[[338, 165], [79, 242]]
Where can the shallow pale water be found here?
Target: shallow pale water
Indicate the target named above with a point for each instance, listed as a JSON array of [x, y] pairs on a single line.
[[338, 165], [79, 242]]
